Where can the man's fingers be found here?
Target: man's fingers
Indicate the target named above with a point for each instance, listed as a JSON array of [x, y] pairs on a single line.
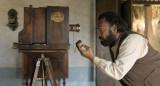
[[85, 46], [79, 48]]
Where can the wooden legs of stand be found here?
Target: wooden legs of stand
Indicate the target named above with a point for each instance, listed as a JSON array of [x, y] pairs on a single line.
[[26, 82], [50, 72], [48, 68], [44, 82], [64, 82]]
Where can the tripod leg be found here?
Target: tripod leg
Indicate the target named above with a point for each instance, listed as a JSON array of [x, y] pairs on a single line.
[[42, 83], [46, 78], [46, 82], [36, 73], [50, 71], [43, 78]]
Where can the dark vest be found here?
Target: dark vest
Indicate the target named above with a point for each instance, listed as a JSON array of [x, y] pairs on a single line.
[[146, 70]]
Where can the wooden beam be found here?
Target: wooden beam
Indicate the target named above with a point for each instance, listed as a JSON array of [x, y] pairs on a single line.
[[102, 52], [148, 23]]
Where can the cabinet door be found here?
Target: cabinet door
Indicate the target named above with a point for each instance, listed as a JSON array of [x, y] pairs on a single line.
[[39, 26], [34, 26], [57, 25]]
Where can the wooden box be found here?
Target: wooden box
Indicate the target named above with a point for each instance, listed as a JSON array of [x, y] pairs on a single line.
[[45, 31]]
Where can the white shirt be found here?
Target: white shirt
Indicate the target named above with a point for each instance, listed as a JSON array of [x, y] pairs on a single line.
[[132, 48]]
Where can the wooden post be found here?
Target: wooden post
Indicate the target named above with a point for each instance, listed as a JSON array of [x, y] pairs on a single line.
[[148, 24], [102, 52]]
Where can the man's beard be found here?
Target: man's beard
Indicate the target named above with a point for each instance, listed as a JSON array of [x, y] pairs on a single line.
[[109, 41]]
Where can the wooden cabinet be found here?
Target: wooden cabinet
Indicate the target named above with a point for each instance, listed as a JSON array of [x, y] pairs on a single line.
[[46, 30]]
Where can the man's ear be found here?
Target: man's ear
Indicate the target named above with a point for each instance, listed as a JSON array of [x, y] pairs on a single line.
[[114, 29]]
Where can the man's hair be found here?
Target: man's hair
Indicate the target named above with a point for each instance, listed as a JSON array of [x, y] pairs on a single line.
[[113, 18]]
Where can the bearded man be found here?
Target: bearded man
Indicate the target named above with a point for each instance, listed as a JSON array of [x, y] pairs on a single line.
[[134, 61]]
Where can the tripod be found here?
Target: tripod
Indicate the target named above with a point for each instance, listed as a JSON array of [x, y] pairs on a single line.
[[45, 62]]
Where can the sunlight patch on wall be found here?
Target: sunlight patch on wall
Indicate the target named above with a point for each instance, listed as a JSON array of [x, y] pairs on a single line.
[[139, 19], [139, 23], [156, 27]]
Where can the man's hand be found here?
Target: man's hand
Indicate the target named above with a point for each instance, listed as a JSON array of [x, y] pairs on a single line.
[[88, 53]]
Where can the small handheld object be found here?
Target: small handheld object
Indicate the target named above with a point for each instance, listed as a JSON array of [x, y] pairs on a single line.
[[79, 43]]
